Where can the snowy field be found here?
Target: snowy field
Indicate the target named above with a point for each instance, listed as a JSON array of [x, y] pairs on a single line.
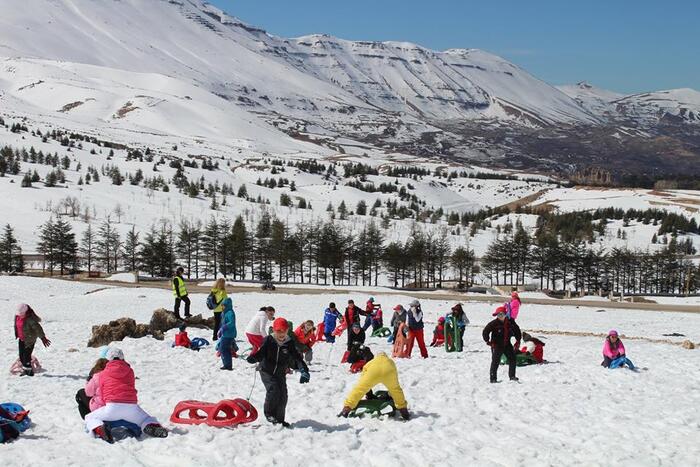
[[570, 412]]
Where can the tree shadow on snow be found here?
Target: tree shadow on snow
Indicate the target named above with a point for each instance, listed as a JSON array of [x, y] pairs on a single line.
[[318, 426]]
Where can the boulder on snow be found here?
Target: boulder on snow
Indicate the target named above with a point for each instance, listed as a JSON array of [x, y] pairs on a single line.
[[116, 330], [163, 320], [687, 345]]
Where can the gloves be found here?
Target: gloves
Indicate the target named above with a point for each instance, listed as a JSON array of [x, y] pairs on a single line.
[[344, 413], [46, 342], [305, 377], [251, 360]]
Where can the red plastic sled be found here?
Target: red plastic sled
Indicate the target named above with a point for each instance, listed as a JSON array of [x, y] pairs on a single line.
[[320, 327], [341, 327], [400, 344], [229, 412]]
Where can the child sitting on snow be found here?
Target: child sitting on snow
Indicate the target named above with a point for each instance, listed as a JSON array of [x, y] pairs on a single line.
[[532, 346], [90, 399], [439, 333], [277, 354], [182, 339], [614, 352], [117, 384]]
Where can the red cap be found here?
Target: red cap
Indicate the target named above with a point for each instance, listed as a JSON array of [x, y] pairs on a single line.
[[280, 324], [397, 307], [500, 309], [515, 295]]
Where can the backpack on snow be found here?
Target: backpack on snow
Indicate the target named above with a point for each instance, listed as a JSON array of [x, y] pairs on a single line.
[[211, 301]]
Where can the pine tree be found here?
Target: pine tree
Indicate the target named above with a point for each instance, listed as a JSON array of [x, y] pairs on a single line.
[[242, 192], [130, 249], [361, 209], [87, 247], [107, 246], [342, 211], [10, 252]]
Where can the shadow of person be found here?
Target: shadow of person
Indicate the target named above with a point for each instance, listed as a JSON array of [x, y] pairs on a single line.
[[318, 426]]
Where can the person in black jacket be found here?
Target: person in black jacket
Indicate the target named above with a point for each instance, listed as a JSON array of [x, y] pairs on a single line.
[[356, 336], [277, 354], [497, 335]]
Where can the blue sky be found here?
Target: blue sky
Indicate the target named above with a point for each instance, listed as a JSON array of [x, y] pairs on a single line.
[[623, 45]]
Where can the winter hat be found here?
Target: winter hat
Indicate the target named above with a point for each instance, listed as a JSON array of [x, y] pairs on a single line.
[[227, 304], [331, 305], [457, 307], [356, 325], [22, 310], [398, 308], [612, 333], [515, 295], [500, 309], [441, 319], [280, 324], [371, 299], [114, 354], [414, 303], [182, 327]]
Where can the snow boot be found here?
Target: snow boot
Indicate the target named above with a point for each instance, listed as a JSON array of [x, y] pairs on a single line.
[[156, 431], [404, 413], [344, 413], [104, 433]]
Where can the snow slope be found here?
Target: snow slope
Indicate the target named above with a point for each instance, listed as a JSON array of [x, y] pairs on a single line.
[[570, 412]]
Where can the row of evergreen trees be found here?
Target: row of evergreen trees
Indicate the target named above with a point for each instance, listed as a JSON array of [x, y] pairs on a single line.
[[560, 264]]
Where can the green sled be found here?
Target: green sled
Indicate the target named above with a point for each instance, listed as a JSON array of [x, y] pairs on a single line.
[[521, 359], [382, 332], [382, 405], [452, 341]]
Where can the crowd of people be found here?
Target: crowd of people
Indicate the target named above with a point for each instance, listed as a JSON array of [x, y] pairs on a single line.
[[277, 350]]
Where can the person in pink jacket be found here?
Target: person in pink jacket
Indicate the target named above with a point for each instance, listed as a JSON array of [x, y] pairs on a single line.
[[614, 355], [117, 385], [514, 306]]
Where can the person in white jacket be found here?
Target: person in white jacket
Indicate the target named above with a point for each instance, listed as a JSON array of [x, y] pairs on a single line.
[[258, 327]]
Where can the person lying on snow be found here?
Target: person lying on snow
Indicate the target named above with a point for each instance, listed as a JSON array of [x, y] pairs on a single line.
[[614, 355], [278, 354], [532, 346], [330, 318], [306, 337], [117, 385], [379, 370], [439, 333], [27, 330]]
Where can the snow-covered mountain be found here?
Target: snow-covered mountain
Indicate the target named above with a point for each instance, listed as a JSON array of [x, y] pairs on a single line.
[[164, 72]]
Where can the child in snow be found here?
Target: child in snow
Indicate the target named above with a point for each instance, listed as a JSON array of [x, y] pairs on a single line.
[[306, 337], [380, 370], [330, 317], [377, 318], [117, 384], [397, 318], [370, 310], [218, 295], [533, 346], [277, 354], [460, 317], [356, 336], [415, 329], [27, 330], [9, 424], [90, 398], [352, 314], [439, 333], [182, 339], [497, 335], [614, 352], [227, 335], [513, 307], [258, 327]]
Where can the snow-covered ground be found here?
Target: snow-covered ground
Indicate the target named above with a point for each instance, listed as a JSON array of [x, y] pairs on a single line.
[[570, 412]]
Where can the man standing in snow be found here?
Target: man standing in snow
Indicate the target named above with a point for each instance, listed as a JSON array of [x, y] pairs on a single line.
[[180, 292], [497, 335]]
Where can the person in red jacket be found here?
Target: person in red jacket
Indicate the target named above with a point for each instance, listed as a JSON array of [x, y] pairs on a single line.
[[439, 333], [182, 339], [306, 337], [118, 389]]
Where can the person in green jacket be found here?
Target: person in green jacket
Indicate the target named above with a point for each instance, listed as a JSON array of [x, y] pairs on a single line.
[[219, 294], [180, 292], [27, 331]]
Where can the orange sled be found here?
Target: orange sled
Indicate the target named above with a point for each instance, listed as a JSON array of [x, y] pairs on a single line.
[[229, 412]]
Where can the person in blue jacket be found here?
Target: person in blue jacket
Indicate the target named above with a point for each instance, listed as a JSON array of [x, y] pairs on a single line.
[[330, 318], [228, 334]]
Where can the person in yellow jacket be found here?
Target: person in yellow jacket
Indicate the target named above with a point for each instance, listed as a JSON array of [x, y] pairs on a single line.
[[219, 295], [180, 292], [379, 370]]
